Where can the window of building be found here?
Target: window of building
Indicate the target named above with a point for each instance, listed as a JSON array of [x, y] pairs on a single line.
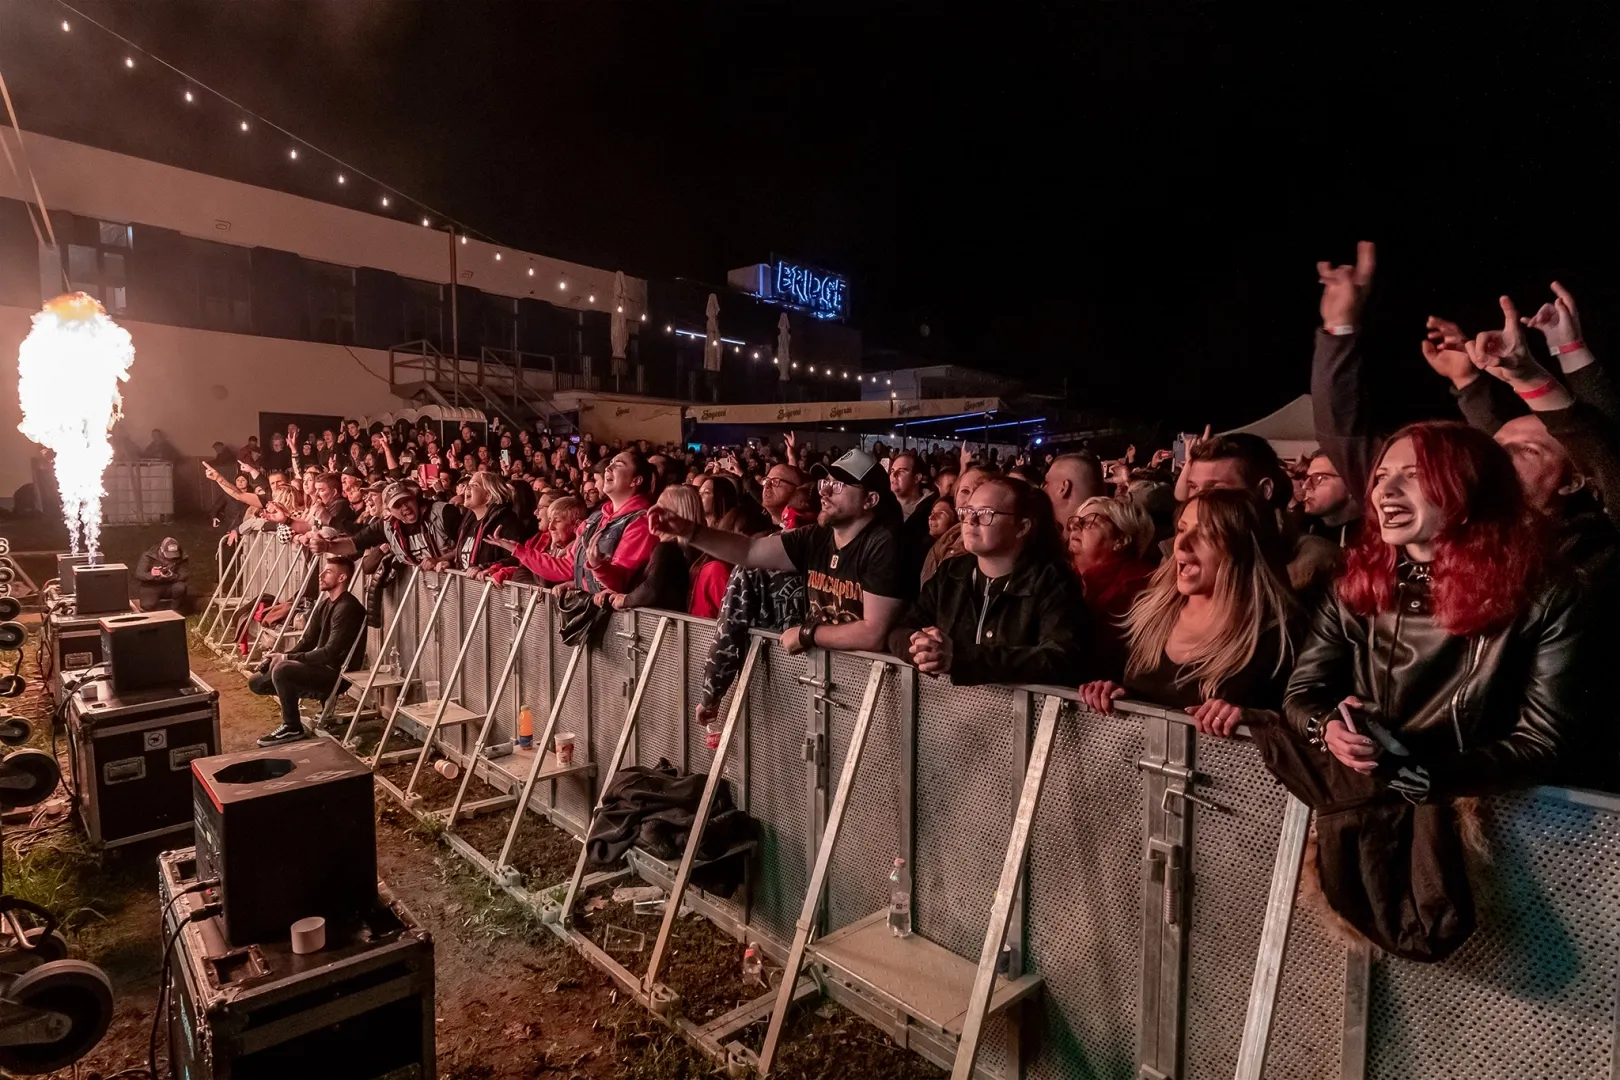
[[330, 290], [224, 286], [422, 318], [95, 259], [499, 322]]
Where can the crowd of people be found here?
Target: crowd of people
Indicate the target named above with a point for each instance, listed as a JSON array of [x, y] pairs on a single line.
[[1398, 619]]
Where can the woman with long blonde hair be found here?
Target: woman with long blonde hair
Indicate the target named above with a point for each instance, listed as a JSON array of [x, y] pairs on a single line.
[[1211, 633]]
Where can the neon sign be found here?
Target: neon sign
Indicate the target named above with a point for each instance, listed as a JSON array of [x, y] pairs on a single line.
[[817, 292]]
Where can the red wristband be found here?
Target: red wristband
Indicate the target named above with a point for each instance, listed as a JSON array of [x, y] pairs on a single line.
[[1573, 346], [1541, 391]]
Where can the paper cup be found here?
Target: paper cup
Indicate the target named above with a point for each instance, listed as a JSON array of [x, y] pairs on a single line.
[[447, 769], [711, 734], [563, 744], [309, 935]]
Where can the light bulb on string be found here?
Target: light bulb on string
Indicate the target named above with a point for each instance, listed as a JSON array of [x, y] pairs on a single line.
[[463, 238], [621, 309], [531, 271], [66, 26], [591, 299], [643, 316], [424, 223], [385, 200], [190, 97], [561, 285], [342, 179], [129, 61], [293, 154], [244, 125], [497, 256]]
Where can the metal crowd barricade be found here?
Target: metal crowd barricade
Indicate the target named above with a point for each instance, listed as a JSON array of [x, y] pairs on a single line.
[[1156, 900]]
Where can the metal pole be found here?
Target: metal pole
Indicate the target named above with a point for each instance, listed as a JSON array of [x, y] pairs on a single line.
[[382, 652], [540, 745], [432, 625], [477, 752], [448, 688], [455, 324]]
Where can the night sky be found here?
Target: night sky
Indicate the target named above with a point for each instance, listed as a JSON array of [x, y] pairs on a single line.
[[1127, 196]]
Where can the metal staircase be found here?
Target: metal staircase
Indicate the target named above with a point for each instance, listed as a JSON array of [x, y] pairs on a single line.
[[499, 382]]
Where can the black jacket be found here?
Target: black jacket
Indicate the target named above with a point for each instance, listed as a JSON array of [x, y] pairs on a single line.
[[1477, 714], [179, 569], [330, 632], [1029, 627]]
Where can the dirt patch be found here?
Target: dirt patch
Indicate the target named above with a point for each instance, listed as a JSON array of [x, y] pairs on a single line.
[[703, 964], [542, 853], [437, 791], [830, 1043]]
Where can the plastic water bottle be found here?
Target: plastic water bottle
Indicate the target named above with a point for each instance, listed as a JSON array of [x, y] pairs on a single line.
[[899, 900], [753, 965], [393, 662]]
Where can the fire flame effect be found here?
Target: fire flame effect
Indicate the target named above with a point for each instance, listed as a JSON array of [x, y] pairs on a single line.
[[68, 369]]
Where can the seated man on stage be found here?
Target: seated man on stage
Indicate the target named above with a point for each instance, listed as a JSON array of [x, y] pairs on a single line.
[[311, 669]]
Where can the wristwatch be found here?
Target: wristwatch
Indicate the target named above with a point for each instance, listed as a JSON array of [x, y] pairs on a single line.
[[807, 636]]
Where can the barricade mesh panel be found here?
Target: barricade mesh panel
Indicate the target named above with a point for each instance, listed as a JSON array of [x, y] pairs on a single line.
[[858, 881], [778, 796], [475, 669], [1085, 899], [448, 639], [699, 636], [535, 689], [505, 609], [1231, 863], [575, 795], [1532, 993], [660, 710], [965, 798]]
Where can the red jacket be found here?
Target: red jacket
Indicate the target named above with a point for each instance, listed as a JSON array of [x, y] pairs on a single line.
[[1110, 589], [709, 588], [619, 573]]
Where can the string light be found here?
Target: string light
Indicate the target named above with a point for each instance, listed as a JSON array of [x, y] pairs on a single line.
[[777, 360], [531, 271], [756, 354], [668, 328], [66, 26], [886, 382], [424, 223], [621, 309], [497, 256], [463, 238], [342, 179], [244, 125], [561, 285], [129, 61], [812, 368], [190, 96], [293, 154], [385, 200], [591, 299], [643, 316], [795, 365]]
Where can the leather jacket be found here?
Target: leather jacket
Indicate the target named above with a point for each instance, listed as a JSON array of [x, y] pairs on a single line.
[[1477, 713]]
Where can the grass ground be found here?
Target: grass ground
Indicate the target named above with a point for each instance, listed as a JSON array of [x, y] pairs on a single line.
[[512, 1001]]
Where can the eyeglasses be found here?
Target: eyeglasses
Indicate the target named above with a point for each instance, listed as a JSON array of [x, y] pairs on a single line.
[[832, 487], [983, 515], [1090, 521], [1317, 479], [775, 481]]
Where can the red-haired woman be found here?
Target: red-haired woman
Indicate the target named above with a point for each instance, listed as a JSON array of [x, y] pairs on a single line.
[[1445, 662]]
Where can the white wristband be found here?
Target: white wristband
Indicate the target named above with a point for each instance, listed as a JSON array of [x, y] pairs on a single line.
[[1340, 331]]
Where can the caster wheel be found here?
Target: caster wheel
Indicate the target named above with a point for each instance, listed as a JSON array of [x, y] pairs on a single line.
[[47, 946], [14, 730], [78, 991], [27, 777]]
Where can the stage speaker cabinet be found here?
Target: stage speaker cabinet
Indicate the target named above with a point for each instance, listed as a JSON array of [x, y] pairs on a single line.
[[290, 832], [101, 590], [67, 567], [132, 758], [359, 1009], [145, 650]]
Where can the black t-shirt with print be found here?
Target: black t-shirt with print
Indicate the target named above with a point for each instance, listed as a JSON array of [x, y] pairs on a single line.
[[837, 579]]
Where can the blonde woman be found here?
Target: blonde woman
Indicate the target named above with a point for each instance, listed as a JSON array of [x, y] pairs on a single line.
[[667, 583], [1211, 634], [490, 527]]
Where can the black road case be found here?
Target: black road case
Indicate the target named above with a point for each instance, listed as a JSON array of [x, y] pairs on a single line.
[[132, 758], [360, 1009], [71, 644]]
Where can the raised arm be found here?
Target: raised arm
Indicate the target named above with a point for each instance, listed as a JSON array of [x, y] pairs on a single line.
[[1339, 398], [756, 553], [1559, 322]]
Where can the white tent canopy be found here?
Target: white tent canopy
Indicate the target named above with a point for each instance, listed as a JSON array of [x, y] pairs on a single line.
[[442, 413], [1291, 430]]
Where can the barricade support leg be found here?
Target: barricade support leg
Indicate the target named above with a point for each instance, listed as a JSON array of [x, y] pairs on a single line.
[[540, 755], [477, 753], [619, 748], [818, 874], [410, 669], [377, 661], [447, 690], [1273, 940], [1012, 867]]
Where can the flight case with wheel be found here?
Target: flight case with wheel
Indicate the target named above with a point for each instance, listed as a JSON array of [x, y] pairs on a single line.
[[359, 1009]]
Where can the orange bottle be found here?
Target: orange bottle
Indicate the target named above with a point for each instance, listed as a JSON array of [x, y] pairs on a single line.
[[525, 727]]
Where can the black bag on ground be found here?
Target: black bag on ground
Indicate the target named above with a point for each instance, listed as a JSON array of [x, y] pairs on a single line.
[[654, 808]]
